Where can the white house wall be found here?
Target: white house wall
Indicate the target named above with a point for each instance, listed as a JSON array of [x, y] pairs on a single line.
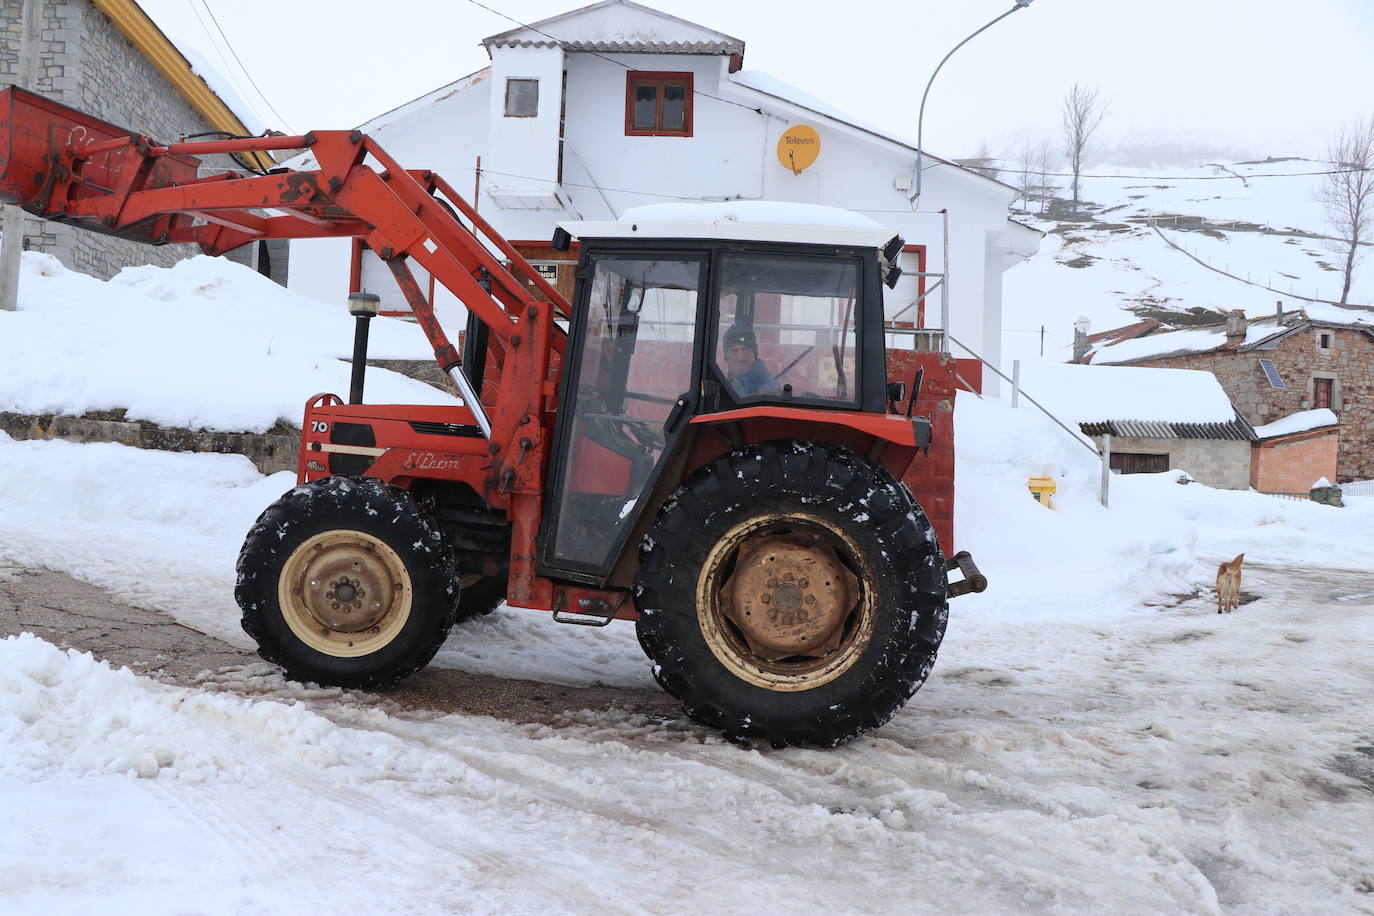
[[731, 154], [446, 136], [523, 151]]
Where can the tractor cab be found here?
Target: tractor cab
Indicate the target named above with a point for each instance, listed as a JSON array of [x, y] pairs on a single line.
[[684, 312]]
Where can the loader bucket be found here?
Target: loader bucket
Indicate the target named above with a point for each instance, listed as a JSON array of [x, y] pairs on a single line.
[[36, 134]]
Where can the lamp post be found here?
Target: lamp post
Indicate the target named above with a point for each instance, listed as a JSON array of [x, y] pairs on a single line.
[[920, 118]]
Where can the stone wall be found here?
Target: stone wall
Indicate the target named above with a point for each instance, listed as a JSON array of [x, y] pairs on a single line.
[[1292, 464], [85, 62], [275, 450], [1349, 361], [1221, 463]]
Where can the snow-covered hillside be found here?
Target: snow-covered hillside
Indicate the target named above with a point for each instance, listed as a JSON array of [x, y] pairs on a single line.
[[1114, 262]]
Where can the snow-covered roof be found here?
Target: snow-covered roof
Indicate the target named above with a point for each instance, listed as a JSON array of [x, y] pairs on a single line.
[[618, 25], [745, 220], [1260, 333], [1104, 394], [1299, 422]]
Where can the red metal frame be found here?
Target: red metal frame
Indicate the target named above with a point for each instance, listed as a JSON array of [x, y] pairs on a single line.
[[661, 76], [920, 251], [67, 166]]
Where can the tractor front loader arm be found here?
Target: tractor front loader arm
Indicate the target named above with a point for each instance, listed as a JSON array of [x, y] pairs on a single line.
[[64, 165]]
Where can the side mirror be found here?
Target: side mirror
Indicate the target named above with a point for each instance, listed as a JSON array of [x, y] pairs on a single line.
[[896, 393]]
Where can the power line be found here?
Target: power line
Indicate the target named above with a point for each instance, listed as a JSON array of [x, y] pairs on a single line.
[[1038, 173], [223, 60], [695, 91], [252, 82]]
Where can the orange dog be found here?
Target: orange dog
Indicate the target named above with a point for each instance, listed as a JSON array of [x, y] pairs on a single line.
[[1228, 585]]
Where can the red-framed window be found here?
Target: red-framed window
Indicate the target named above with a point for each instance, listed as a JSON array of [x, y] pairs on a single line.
[[658, 104], [1321, 392]]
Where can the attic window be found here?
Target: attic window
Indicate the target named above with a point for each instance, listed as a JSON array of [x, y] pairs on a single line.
[[522, 98], [1324, 341], [658, 104]]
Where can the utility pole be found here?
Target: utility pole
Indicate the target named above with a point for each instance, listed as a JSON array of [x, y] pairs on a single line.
[[13, 242], [1106, 452], [1042, 340]]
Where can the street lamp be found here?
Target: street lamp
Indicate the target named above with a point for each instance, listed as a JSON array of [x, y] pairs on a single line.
[[920, 119]]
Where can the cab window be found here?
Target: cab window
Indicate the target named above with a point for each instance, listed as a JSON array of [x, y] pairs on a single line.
[[785, 327]]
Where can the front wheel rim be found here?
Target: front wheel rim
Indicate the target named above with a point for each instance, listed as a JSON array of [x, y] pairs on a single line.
[[345, 593], [786, 602]]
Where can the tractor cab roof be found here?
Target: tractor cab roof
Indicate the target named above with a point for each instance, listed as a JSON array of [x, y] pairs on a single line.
[[740, 220]]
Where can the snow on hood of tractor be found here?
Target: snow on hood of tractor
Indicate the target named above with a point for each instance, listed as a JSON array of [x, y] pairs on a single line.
[[747, 220]]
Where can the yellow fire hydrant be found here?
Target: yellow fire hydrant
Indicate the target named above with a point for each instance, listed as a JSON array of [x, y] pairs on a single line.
[[1043, 489]]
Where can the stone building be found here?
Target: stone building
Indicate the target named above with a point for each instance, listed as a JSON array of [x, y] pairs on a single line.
[[1321, 356], [1157, 419], [108, 59]]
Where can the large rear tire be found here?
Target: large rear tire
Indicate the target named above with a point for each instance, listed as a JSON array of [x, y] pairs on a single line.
[[344, 582], [793, 593]]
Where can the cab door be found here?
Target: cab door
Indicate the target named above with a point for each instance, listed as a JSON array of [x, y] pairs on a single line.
[[629, 381]]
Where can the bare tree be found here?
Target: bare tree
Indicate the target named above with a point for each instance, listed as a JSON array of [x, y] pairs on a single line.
[[1082, 115], [1045, 164], [985, 164], [1347, 194], [1025, 175]]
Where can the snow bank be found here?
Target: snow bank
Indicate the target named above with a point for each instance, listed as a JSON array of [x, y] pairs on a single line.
[[1298, 422], [1077, 560], [206, 344], [160, 530], [1095, 394]]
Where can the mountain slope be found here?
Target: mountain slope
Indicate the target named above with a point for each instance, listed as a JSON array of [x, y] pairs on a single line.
[[1178, 245]]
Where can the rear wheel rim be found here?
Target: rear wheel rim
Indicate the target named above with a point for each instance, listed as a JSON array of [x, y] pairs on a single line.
[[345, 593], [786, 602]]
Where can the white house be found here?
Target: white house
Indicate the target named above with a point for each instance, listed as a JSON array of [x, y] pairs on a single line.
[[615, 105]]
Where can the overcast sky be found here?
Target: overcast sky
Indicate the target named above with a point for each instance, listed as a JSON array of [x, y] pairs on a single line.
[[1209, 77]]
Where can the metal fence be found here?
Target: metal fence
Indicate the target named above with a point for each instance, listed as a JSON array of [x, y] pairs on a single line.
[[1304, 496], [1358, 488]]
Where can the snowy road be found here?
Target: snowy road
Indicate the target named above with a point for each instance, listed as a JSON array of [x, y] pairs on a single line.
[[1175, 761]]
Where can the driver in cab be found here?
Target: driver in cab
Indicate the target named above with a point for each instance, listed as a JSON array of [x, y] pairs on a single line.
[[747, 373]]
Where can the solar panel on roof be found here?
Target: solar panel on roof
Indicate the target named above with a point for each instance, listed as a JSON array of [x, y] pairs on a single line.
[[1271, 373]]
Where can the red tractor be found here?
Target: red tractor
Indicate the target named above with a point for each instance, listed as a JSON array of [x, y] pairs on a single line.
[[703, 439]]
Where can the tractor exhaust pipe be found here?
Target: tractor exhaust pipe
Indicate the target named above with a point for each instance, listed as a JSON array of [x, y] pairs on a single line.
[[362, 306]]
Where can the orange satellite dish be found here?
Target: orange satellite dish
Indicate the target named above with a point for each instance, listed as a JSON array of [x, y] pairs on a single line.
[[798, 147]]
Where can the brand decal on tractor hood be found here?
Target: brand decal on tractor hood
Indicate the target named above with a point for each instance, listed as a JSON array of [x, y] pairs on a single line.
[[429, 461]]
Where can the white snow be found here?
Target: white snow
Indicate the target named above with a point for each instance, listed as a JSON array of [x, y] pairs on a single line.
[[221, 86], [1298, 422], [1262, 230], [1083, 744], [1093, 738], [1198, 340], [207, 344], [1095, 394]]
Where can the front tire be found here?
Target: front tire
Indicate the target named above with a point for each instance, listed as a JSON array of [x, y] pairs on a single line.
[[791, 592], [344, 582]]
